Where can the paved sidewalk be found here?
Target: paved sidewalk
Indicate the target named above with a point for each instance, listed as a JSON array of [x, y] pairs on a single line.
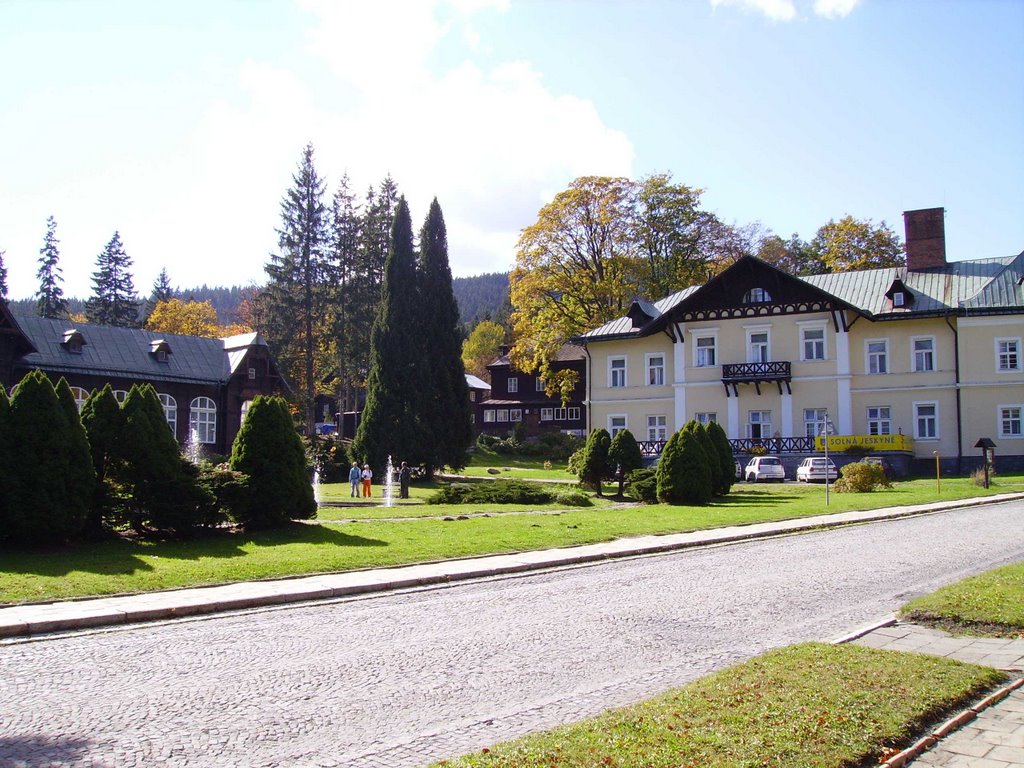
[[40, 618], [988, 735]]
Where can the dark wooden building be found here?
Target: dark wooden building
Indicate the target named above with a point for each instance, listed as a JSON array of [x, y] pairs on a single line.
[[205, 385], [518, 397]]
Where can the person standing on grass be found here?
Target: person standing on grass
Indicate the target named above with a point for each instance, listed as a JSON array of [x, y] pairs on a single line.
[[354, 477], [367, 477], [403, 481]]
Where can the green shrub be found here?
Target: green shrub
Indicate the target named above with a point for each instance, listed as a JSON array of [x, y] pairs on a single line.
[[104, 424], [624, 456], [861, 477], [575, 462], [726, 461], [496, 492], [643, 484], [856, 450], [683, 473], [80, 479], [487, 441], [269, 450], [559, 446], [229, 491], [573, 499], [978, 476], [595, 459]]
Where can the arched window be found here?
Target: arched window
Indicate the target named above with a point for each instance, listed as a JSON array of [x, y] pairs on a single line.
[[120, 395], [202, 420], [170, 412], [80, 397], [246, 405], [756, 296]]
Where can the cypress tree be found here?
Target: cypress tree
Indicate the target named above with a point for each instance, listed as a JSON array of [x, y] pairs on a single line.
[[104, 423], [50, 301], [162, 485], [80, 478], [710, 456], [595, 459], [38, 508], [668, 471], [726, 461], [113, 301], [269, 450], [446, 412], [624, 456], [390, 421]]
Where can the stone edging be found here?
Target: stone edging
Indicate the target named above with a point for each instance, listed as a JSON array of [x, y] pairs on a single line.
[[923, 744]]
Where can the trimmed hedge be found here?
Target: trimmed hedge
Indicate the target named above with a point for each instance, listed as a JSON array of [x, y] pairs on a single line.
[[496, 492]]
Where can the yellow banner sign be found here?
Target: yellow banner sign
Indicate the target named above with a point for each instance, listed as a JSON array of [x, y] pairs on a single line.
[[870, 442]]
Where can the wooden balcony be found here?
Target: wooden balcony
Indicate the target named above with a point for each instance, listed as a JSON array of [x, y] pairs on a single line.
[[777, 371]]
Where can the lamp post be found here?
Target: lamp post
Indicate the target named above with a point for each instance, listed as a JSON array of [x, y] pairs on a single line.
[[826, 430]]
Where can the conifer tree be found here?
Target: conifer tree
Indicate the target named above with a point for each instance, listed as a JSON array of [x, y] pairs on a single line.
[[624, 455], [726, 461], [38, 508], [3, 277], [269, 450], [295, 298], [113, 301], [390, 423], [445, 412], [348, 344], [668, 471], [710, 456], [104, 424], [80, 478], [162, 291], [50, 301], [595, 459]]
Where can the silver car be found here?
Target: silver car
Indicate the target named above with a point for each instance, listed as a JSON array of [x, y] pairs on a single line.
[[816, 468], [762, 468]]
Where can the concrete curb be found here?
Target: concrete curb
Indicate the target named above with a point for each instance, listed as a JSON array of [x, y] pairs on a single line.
[[920, 746], [33, 619]]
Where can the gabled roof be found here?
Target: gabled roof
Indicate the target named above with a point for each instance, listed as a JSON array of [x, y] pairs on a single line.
[[126, 352], [980, 286], [9, 327], [566, 353], [474, 382]]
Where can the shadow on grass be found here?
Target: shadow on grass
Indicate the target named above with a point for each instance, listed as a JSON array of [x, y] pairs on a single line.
[[124, 556], [746, 498]]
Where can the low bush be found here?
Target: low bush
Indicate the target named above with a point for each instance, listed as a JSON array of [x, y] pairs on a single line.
[[978, 476], [496, 492], [643, 484], [573, 499], [861, 477], [229, 490]]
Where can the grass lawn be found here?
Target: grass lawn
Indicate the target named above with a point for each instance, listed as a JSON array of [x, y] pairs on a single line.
[[990, 603], [812, 705], [516, 467], [131, 566]]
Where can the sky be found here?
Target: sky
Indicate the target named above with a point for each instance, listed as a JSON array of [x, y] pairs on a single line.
[[180, 125]]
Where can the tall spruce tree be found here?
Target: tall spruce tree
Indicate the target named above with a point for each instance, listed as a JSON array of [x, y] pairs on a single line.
[[445, 413], [390, 423], [50, 301], [162, 291], [3, 277], [348, 344], [113, 301], [294, 302]]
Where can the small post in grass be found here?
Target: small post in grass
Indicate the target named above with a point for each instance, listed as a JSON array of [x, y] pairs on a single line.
[[938, 474], [826, 430]]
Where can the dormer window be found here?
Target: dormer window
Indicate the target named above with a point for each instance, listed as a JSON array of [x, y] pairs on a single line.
[[899, 295], [756, 296], [73, 341], [160, 350], [899, 299]]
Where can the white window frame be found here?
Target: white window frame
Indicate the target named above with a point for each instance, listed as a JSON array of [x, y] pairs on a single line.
[[1015, 340], [247, 404], [1002, 419], [656, 372], [617, 375], [202, 419], [573, 413], [613, 427], [705, 417], [513, 385], [547, 414], [515, 414], [120, 395], [804, 341], [657, 427], [501, 415], [538, 385], [701, 361], [899, 299], [882, 421], [80, 396], [170, 406], [883, 356], [927, 355], [814, 425], [918, 404], [757, 295], [761, 424], [751, 332], [489, 416]]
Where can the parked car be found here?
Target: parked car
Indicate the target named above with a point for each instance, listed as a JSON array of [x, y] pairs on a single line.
[[816, 468], [882, 462], [764, 468]]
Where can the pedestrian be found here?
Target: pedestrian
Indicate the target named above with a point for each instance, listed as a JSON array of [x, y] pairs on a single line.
[[367, 477], [403, 481], [354, 477]]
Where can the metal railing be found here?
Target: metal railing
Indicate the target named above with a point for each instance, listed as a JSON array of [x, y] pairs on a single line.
[[773, 371]]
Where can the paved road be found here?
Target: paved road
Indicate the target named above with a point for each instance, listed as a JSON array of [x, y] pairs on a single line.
[[401, 679]]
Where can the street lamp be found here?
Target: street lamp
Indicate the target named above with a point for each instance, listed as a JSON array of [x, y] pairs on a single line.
[[826, 430]]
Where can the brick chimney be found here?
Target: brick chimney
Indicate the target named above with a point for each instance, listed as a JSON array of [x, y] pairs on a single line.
[[926, 238]]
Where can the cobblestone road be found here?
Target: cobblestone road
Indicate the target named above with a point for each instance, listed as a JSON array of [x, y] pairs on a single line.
[[401, 679]]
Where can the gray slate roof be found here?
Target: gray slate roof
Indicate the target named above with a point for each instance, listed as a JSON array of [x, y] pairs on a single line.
[[125, 352]]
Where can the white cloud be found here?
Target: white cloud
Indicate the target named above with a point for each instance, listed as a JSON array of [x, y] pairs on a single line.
[[786, 10]]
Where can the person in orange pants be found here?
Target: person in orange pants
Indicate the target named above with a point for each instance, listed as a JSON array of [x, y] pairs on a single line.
[[367, 477]]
